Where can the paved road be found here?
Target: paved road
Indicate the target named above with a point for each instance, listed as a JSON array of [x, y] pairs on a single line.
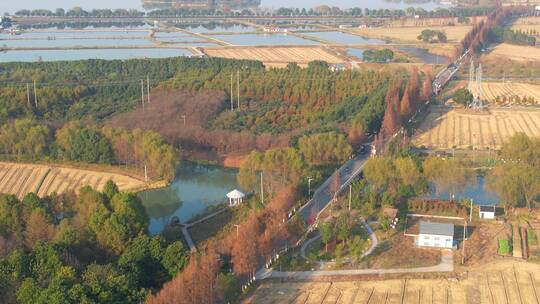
[[446, 265], [323, 195]]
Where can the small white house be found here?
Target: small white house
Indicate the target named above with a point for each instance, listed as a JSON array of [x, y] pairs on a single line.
[[436, 235], [235, 197], [487, 212]]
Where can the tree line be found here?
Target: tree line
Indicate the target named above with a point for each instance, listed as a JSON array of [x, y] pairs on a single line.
[[90, 247], [479, 37], [25, 140], [322, 10], [516, 178], [499, 34]]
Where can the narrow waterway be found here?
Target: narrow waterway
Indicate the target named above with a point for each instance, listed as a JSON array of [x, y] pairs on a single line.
[[195, 188]]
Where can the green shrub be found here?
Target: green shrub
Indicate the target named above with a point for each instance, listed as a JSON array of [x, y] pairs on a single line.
[[504, 247], [532, 238]]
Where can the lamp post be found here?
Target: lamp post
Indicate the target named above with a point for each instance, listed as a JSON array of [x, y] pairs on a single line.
[[309, 186], [237, 229]]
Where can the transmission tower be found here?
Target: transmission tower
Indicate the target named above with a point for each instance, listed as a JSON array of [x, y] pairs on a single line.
[[477, 103]]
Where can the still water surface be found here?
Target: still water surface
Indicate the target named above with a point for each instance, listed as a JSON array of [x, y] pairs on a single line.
[[195, 188], [476, 191], [108, 54]]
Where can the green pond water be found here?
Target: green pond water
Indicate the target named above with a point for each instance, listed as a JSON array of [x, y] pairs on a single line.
[[195, 188]]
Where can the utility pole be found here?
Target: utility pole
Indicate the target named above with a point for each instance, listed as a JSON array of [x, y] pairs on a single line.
[[262, 189], [470, 214], [309, 187], [238, 87], [463, 246], [142, 93], [145, 174], [148, 87], [28, 94], [35, 93], [232, 96], [350, 196]]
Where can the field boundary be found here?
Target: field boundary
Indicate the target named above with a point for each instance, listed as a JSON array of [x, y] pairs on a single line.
[[41, 180]]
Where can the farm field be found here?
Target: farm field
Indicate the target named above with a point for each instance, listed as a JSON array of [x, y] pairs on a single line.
[[510, 90], [444, 128], [502, 282], [442, 21], [527, 28], [275, 54], [20, 179], [515, 52], [409, 34]]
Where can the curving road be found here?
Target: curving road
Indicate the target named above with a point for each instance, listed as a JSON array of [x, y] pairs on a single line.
[[446, 265], [372, 235]]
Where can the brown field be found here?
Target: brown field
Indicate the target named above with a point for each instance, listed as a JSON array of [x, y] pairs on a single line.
[[492, 90], [409, 34], [276, 55], [20, 179], [502, 282], [527, 28], [463, 129], [515, 52], [527, 20], [444, 21]]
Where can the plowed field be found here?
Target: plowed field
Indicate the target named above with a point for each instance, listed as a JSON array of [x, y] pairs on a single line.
[[501, 282], [461, 129], [509, 91], [20, 179], [275, 54]]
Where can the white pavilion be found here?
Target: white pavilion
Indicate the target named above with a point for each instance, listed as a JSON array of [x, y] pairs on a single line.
[[235, 197]]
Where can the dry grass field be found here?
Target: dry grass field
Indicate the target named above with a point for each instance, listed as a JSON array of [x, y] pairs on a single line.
[[409, 34], [443, 21], [515, 52], [464, 129], [509, 90], [20, 179], [502, 282], [275, 54], [527, 28], [527, 20]]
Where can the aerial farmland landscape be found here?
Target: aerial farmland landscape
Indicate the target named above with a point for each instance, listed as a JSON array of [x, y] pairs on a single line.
[[269, 151]]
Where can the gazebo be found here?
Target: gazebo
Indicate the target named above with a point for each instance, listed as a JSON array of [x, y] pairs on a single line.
[[235, 197]]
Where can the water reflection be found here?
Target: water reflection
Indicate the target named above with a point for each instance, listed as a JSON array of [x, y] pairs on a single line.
[[196, 188], [424, 55], [475, 191]]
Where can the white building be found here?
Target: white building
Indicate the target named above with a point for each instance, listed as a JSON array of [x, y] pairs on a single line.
[[235, 197], [487, 212], [437, 235]]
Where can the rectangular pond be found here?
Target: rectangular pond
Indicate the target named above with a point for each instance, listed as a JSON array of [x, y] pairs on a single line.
[[342, 38], [264, 39], [107, 54], [75, 43], [70, 34], [218, 28]]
